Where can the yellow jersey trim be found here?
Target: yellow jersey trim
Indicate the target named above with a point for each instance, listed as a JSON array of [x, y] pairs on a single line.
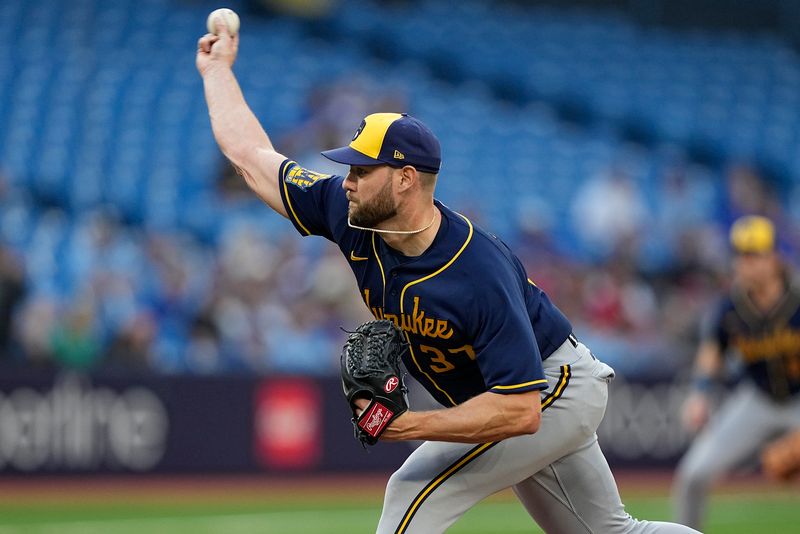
[[380, 265], [525, 384], [370, 140], [441, 269], [289, 200], [428, 277]]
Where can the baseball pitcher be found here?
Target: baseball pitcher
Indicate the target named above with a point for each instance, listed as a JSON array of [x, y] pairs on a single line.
[[521, 396]]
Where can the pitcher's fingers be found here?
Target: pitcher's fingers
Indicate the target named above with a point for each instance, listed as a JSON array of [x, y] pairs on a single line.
[[205, 42]]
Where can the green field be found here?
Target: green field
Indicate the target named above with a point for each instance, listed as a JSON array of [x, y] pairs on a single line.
[[229, 509]]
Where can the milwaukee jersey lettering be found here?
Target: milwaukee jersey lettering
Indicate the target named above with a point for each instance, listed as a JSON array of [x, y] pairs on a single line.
[[767, 342], [474, 321]]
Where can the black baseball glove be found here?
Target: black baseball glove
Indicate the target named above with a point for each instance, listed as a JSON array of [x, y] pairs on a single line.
[[371, 370]]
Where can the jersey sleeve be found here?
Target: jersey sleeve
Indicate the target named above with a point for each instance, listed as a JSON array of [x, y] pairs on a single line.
[[712, 326], [505, 346], [316, 203]]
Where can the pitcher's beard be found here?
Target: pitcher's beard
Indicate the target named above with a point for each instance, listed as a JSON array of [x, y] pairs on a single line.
[[379, 209]]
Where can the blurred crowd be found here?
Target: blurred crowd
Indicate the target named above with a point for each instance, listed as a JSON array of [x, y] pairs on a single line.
[[88, 291]]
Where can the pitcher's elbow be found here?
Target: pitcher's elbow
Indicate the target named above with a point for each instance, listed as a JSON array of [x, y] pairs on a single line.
[[534, 422], [237, 154], [529, 423]]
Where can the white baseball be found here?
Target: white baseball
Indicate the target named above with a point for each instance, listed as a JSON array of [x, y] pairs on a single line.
[[228, 16]]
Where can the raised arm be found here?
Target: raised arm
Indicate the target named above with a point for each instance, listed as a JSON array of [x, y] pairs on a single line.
[[236, 129]]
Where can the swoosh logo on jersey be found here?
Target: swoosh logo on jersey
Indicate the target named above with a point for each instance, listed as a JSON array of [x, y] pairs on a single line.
[[353, 257]]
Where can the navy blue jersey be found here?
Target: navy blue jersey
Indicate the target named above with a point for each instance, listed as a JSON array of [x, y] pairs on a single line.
[[768, 343], [474, 320]]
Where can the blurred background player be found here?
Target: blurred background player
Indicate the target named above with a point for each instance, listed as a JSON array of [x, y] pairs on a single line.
[[758, 321]]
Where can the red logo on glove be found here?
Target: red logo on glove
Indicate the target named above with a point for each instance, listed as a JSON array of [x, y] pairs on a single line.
[[375, 420], [391, 384]]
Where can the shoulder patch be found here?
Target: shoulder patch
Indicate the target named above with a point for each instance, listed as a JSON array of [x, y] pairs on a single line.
[[303, 178]]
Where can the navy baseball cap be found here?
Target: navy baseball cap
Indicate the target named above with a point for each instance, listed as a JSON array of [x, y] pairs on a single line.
[[393, 139]]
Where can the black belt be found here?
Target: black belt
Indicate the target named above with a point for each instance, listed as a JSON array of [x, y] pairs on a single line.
[[573, 340]]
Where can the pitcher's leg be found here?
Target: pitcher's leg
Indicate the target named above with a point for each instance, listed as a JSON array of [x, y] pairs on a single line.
[[578, 494], [440, 481], [437, 485]]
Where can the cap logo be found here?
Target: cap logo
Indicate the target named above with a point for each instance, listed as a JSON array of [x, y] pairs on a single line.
[[398, 155], [360, 129]]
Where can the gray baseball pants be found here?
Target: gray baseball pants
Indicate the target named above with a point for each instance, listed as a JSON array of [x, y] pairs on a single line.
[[559, 474], [747, 421]]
